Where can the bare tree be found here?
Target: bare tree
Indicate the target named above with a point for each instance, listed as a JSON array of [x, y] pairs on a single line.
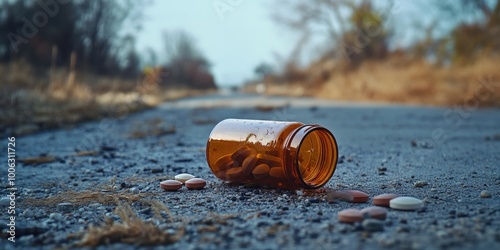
[[341, 23], [185, 62]]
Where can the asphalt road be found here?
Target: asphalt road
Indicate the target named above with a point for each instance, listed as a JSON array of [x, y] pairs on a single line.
[[383, 148]]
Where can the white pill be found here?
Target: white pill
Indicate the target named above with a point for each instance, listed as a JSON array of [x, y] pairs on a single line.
[[183, 177], [406, 203]]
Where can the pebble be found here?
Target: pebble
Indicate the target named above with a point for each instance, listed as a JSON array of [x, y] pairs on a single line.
[[375, 212], [56, 216], [485, 194], [27, 213], [350, 215], [65, 207], [419, 184], [196, 183], [406, 203], [183, 177], [170, 185], [134, 190], [383, 199], [348, 195], [4, 201], [372, 225]]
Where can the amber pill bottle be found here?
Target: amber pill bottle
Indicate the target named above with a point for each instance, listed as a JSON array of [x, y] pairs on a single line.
[[289, 155]]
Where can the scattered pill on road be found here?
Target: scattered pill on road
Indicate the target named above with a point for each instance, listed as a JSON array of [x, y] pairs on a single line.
[[183, 177], [406, 203], [375, 212], [349, 195], [196, 183], [384, 199], [171, 185], [350, 215]]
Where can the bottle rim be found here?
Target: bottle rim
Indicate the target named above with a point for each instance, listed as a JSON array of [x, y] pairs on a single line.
[[294, 146]]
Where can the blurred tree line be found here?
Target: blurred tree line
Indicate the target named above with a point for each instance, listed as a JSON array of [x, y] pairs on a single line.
[[353, 31], [100, 34]]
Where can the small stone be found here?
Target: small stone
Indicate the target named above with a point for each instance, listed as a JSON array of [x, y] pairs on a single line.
[[56, 216], [372, 225], [156, 170], [170, 185], [420, 184], [134, 190], [195, 183], [485, 194], [4, 201], [65, 207], [183, 177], [27, 213], [300, 193], [406, 203]]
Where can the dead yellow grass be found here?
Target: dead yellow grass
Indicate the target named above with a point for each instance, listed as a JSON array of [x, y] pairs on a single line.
[[416, 83], [131, 230], [401, 80], [32, 103]]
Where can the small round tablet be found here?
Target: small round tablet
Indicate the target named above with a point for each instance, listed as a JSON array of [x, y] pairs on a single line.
[[234, 174], [249, 164], [349, 195], [406, 203], [277, 172], [383, 199], [239, 155], [350, 215], [183, 177], [261, 171], [171, 185], [224, 163], [195, 183], [375, 212]]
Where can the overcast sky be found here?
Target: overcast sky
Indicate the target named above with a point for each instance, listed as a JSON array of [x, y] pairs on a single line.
[[234, 42], [245, 35]]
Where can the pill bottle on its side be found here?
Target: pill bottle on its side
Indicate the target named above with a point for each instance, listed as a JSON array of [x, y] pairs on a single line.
[[289, 155]]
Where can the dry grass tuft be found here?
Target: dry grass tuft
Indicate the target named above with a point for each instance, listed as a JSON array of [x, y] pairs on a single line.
[[38, 160], [85, 197], [86, 153], [131, 230]]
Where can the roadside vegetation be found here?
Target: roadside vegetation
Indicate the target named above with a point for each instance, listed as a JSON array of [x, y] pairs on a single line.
[[64, 63], [362, 56]]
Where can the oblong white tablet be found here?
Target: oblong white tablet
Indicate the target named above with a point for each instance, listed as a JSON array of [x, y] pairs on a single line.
[[183, 177], [406, 203]]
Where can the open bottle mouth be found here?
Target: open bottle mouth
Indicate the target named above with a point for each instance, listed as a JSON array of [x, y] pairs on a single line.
[[316, 155]]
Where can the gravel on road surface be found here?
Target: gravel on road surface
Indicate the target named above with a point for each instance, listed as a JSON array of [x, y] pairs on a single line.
[[98, 184]]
